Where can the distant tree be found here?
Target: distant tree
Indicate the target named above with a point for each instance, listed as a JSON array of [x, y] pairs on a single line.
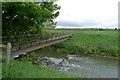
[[115, 28], [100, 29]]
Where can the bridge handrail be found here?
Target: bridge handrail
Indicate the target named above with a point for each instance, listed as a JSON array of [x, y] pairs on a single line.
[[15, 43], [32, 35], [31, 38]]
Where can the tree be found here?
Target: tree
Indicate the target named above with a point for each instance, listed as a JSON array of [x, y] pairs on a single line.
[[27, 17], [115, 28], [54, 9]]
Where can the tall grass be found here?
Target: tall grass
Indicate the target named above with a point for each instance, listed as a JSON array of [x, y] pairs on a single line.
[[92, 41], [62, 50]]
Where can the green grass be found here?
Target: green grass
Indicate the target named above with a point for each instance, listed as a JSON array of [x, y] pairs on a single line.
[[91, 42], [62, 50], [0, 70], [48, 51], [21, 69]]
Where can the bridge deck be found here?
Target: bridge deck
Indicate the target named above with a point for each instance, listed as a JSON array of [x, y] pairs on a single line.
[[35, 46]]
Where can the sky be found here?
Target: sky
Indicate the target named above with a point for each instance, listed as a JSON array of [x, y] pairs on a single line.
[[87, 14]]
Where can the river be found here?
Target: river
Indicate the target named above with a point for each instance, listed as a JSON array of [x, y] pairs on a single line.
[[92, 67], [83, 66]]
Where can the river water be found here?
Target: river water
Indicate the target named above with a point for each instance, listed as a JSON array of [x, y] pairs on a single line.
[[83, 66], [91, 67]]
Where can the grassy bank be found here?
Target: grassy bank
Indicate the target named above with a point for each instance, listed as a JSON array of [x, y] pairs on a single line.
[[91, 42], [25, 69]]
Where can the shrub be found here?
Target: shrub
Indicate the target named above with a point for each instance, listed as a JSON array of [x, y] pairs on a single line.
[[62, 50]]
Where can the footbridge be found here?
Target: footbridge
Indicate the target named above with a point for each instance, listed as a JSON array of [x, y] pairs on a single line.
[[17, 45]]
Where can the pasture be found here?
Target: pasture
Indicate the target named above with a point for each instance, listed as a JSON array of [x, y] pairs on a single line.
[[96, 42]]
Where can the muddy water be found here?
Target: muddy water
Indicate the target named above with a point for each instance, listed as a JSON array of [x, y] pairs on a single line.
[[83, 66]]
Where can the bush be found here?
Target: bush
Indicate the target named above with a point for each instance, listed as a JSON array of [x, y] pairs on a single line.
[[62, 50]]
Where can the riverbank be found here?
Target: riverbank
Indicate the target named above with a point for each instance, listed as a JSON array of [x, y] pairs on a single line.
[[72, 64], [29, 65], [60, 52], [94, 42], [102, 56], [25, 69]]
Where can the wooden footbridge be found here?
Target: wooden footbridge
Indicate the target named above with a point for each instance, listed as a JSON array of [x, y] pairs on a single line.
[[25, 43]]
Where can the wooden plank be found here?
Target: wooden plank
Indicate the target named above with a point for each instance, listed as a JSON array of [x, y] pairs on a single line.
[[8, 52], [16, 53]]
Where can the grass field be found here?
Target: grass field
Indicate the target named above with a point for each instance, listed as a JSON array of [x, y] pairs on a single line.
[[91, 42], [25, 69]]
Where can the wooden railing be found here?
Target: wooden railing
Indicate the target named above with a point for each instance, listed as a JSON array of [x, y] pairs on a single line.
[[8, 47], [15, 43]]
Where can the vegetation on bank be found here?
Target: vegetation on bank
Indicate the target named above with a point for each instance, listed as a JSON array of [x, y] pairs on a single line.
[[91, 42], [25, 69], [62, 50]]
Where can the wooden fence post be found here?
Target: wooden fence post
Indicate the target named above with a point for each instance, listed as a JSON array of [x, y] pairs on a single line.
[[8, 52]]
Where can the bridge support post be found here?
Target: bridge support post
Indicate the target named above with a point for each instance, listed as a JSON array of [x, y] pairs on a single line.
[[8, 53]]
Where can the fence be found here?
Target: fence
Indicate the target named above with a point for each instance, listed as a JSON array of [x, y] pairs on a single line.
[[15, 43], [8, 47]]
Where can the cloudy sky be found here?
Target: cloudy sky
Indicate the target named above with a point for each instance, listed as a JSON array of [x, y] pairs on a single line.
[[88, 13]]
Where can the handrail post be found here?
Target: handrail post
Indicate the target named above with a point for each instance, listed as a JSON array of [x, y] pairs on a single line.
[[8, 52]]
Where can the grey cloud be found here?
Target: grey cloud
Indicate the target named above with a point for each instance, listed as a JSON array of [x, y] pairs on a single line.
[[76, 24]]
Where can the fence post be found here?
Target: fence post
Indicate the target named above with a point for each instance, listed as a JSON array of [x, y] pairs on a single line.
[[8, 52]]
